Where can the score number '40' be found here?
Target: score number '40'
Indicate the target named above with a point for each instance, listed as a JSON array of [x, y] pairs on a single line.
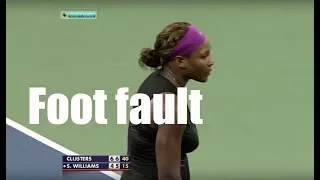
[[117, 158]]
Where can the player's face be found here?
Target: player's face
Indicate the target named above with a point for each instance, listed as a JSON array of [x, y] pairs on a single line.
[[200, 63]]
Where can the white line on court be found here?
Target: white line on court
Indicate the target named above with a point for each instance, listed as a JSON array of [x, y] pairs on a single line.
[[52, 144]]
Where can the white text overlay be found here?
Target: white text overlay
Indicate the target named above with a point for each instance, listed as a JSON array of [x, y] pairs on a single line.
[[81, 108]]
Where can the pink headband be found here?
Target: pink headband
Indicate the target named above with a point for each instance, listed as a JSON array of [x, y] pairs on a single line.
[[191, 41]]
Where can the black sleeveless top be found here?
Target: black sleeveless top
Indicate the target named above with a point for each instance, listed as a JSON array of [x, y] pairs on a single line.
[[142, 137]]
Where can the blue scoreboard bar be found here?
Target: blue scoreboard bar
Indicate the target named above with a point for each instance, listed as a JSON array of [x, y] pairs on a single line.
[[96, 163]]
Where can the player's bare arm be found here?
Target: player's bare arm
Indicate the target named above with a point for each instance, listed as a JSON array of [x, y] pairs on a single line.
[[168, 150]]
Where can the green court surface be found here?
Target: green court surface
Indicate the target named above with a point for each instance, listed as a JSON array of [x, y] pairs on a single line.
[[257, 106]]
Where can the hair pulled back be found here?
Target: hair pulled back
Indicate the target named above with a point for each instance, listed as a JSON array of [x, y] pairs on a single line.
[[165, 42]]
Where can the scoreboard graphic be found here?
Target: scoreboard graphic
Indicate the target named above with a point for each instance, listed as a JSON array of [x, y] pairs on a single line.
[[96, 163]]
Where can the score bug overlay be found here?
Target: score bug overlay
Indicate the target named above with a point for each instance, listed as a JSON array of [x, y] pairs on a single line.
[[96, 163], [78, 15]]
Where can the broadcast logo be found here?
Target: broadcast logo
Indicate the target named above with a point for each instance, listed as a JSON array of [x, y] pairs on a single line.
[[79, 15]]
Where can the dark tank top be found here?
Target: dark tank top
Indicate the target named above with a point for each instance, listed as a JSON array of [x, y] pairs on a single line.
[[142, 137]]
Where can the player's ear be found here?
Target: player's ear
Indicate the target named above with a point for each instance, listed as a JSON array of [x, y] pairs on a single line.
[[181, 61]]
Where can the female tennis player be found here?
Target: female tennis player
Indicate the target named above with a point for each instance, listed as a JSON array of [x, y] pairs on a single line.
[[159, 152]]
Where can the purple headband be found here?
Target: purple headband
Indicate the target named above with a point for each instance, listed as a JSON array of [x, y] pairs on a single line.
[[191, 41]]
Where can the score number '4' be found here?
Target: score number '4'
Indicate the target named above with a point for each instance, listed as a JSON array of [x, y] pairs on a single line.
[[114, 165]]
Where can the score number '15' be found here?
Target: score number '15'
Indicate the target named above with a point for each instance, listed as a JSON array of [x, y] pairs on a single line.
[[117, 166]]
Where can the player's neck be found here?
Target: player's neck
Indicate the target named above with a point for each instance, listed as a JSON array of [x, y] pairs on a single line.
[[175, 78]]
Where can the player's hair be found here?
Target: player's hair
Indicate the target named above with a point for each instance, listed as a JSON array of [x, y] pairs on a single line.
[[165, 42]]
